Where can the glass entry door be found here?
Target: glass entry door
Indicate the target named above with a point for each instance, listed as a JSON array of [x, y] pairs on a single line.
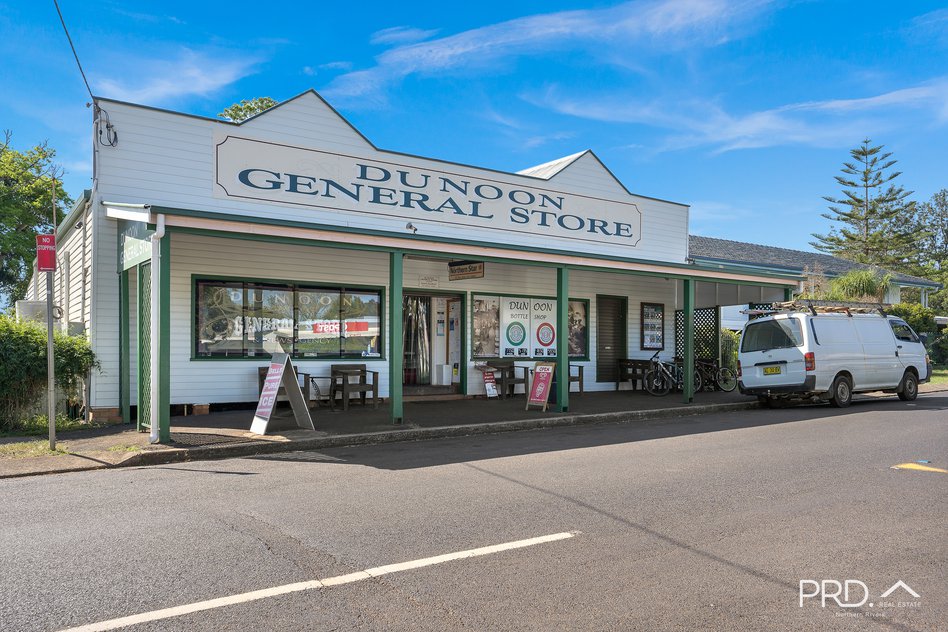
[[417, 340]]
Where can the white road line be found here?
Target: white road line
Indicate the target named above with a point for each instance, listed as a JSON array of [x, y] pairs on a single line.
[[220, 602]]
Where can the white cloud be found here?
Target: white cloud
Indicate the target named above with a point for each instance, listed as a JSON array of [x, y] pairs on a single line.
[[656, 25], [401, 35], [190, 73], [826, 123]]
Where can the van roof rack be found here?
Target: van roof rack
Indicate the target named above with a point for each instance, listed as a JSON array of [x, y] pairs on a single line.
[[821, 307]]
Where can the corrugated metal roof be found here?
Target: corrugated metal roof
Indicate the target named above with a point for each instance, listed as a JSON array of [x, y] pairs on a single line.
[[740, 252], [549, 169]]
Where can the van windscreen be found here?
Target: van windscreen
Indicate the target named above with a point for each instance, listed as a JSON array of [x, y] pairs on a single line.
[[772, 334]]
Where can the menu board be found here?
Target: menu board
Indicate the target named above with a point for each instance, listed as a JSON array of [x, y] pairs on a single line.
[[653, 326]]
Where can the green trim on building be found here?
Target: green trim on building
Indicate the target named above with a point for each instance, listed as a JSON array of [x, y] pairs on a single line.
[[688, 348], [396, 352], [685, 268], [240, 279], [562, 335], [124, 349], [164, 338]]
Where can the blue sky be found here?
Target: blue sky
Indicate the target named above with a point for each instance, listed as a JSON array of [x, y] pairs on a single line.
[[745, 110]]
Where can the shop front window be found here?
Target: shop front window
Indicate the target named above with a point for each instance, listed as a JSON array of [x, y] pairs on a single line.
[[525, 327], [360, 317], [236, 319], [220, 319]]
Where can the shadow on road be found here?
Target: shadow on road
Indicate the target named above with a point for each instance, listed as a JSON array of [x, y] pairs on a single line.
[[411, 455]]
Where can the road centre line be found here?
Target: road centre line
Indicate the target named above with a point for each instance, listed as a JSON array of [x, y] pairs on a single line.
[[919, 467], [220, 602]]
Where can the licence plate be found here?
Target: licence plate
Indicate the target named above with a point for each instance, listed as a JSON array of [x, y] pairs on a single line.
[[771, 370]]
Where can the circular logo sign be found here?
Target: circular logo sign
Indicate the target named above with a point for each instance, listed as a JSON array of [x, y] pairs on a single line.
[[516, 333], [546, 334]]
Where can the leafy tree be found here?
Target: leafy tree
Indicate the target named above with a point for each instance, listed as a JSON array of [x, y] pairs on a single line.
[[25, 210], [873, 212], [931, 221], [247, 108]]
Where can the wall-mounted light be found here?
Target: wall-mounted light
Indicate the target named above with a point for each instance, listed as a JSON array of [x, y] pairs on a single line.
[[411, 227]]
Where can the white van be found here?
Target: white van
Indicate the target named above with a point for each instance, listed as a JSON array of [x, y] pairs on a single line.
[[800, 355]]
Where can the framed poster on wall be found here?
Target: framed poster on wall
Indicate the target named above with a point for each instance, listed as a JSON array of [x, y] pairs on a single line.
[[653, 326]]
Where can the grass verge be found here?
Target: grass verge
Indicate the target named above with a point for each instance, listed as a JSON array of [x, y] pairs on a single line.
[[939, 375], [37, 426], [27, 449]]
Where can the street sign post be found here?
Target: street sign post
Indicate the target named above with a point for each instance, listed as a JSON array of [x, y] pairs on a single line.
[[46, 262]]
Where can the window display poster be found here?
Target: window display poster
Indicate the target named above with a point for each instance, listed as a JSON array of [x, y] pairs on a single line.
[[653, 326], [543, 328], [515, 327], [485, 334], [577, 329]]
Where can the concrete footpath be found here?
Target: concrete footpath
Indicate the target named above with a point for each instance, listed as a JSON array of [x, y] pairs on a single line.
[[209, 437], [225, 435]]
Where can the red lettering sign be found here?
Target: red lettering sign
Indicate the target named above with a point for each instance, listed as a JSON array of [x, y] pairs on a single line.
[[271, 386], [46, 253], [542, 382]]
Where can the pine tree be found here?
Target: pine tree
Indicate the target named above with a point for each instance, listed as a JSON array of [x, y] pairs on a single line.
[[874, 213], [245, 109]]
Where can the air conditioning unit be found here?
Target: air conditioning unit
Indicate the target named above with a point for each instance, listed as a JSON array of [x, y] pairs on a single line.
[[31, 310]]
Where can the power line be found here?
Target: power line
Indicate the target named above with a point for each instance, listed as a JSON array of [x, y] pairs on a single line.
[[72, 46]]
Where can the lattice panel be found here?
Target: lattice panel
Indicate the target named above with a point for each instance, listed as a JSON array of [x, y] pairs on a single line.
[[707, 333], [759, 306], [144, 346]]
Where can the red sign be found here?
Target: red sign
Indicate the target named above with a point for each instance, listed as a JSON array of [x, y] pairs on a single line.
[[46, 253], [271, 386], [542, 382], [332, 326], [490, 384]]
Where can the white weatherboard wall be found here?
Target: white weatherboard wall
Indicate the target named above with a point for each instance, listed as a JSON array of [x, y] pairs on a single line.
[[168, 159], [215, 380], [204, 381]]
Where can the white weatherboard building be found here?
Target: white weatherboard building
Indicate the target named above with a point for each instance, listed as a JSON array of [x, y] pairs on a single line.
[[206, 245]]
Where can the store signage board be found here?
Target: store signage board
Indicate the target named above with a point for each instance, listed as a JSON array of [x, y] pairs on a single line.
[[134, 243], [46, 253], [428, 281], [461, 270], [280, 373], [542, 383], [251, 169]]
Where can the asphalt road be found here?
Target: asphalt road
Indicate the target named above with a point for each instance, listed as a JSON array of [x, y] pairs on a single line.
[[704, 523]]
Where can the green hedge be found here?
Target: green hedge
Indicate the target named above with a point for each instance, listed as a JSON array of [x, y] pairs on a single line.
[[23, 367]]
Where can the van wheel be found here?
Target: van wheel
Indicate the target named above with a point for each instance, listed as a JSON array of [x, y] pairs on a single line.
[[841, 394], [909, 390]]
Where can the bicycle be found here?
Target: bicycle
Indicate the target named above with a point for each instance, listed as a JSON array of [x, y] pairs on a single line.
[[661, 377], [717, 377]]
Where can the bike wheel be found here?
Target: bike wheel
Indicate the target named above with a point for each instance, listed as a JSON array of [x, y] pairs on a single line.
[[726, 379], [657, 383], [699, 382]]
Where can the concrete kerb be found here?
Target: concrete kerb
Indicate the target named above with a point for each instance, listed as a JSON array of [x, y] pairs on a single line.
[[178, 455], [273, 446]]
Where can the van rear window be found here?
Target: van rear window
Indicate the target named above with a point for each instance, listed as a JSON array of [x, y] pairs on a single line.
[[772, 334]]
